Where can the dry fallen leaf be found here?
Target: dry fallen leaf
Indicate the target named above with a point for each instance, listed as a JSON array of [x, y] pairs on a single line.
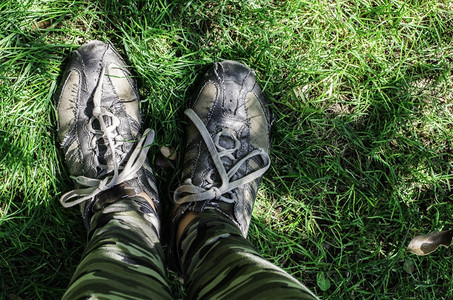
[[426, 244], [42, 25]]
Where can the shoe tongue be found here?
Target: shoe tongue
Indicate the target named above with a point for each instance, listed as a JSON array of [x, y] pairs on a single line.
[[227, 142], [103, 151]]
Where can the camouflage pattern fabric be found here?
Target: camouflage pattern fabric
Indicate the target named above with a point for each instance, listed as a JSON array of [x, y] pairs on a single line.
[[219, 263], [124, 260]]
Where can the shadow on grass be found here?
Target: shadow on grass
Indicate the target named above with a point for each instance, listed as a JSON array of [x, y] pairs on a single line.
[[345, 183], [358, 195], [41, 242]]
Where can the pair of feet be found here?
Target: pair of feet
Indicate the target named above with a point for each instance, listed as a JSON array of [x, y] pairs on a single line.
[[99, 128]]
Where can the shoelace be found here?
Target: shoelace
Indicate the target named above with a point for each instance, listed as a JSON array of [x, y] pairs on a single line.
[[195, 193], [136, 160]]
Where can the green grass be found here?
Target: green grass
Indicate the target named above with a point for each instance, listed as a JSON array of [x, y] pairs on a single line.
[[362, 155]]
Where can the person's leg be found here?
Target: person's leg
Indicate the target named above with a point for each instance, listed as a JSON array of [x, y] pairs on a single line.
[[123, 258], [219, 263], [226, 155], [99, 131]]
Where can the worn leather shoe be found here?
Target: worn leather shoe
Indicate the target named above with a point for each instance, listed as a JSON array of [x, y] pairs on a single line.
[[99, 127], [227, 149]]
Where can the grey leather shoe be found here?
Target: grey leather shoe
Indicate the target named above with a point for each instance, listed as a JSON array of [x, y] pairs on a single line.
[[227, 145], [99, 130]]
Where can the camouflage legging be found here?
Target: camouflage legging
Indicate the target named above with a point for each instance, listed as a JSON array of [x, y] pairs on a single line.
[[124, 260]]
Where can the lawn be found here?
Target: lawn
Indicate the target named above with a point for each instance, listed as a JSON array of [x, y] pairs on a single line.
[[362, 154]]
